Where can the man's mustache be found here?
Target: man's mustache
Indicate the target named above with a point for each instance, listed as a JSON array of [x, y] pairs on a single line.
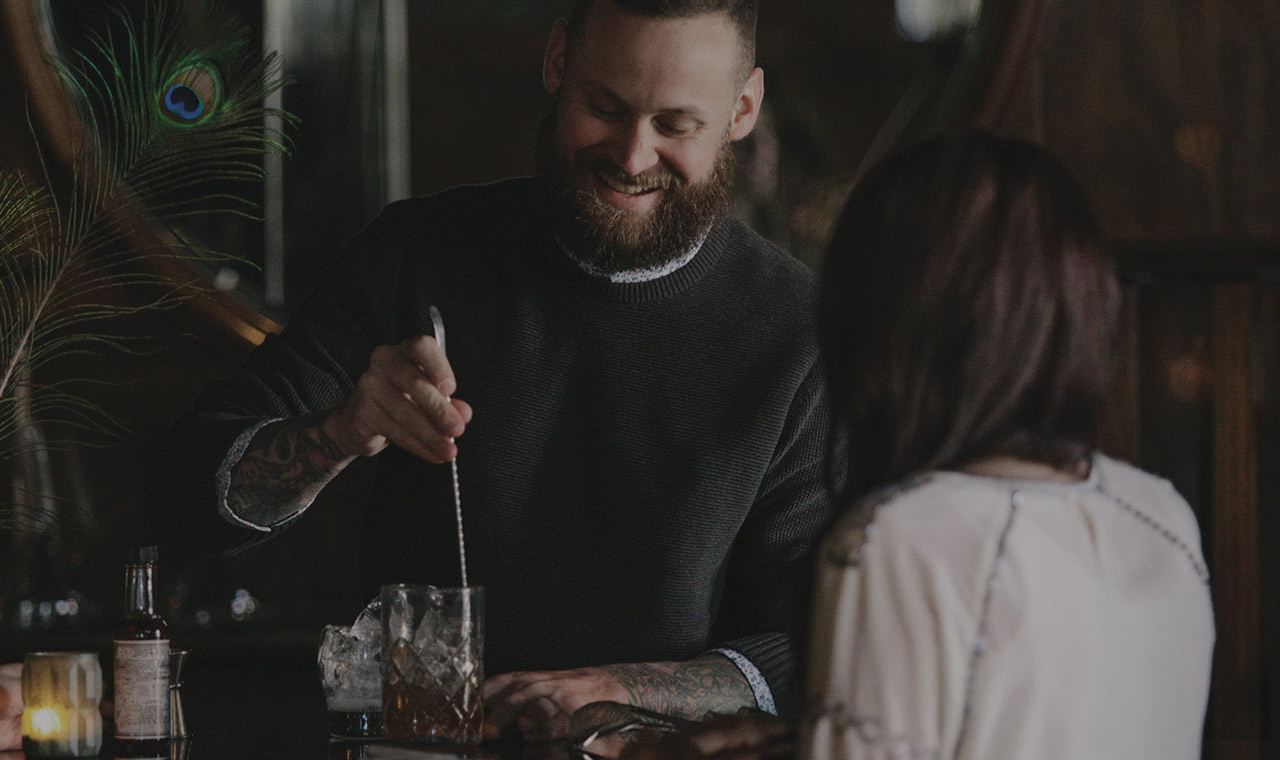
[[657, 178]]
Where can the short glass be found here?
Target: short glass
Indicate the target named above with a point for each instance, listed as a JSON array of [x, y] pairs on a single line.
[[432, 664], [60, 696], [351, 672]]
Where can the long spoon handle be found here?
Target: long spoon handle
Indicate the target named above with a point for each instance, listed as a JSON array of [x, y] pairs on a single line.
[[437, 326]]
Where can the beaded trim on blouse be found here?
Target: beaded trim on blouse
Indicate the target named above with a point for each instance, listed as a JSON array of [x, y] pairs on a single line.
[[860, 530]]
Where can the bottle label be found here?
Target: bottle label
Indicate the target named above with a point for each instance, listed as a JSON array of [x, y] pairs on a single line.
[[142, 689]]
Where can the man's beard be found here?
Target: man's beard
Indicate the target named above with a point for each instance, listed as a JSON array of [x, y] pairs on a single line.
[[609, 240]]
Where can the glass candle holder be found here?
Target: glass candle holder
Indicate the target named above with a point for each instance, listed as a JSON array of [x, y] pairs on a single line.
[[60, 696]]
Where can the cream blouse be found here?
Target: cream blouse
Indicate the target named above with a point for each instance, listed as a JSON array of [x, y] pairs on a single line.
[[961, 616]]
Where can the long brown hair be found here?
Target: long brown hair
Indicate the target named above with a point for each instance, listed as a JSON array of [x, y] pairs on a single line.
[[967, 309]]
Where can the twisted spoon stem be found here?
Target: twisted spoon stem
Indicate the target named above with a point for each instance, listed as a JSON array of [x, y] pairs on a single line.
[[437, 325]]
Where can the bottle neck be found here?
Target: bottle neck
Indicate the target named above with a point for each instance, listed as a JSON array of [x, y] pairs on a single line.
[[139, 598]]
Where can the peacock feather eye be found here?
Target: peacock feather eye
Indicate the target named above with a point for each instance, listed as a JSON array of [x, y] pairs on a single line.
[[191, 95]]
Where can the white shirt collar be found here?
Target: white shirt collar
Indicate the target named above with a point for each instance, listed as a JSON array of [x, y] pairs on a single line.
[[645, 274]]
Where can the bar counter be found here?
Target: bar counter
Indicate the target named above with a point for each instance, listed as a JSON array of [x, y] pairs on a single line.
[[259, 696]]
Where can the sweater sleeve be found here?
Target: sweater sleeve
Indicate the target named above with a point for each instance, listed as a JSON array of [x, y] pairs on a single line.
[[764, 601], [310, 367]]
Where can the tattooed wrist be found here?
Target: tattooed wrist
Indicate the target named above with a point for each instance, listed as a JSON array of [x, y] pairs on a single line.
[[693, 689], [282, 470]]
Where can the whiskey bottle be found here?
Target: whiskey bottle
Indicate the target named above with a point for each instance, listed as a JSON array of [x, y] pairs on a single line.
[[141, 665]]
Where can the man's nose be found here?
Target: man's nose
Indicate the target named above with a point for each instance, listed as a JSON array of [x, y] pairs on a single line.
[[635, 148]]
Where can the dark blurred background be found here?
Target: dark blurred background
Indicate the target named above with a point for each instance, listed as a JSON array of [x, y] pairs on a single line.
[[1168, 111]]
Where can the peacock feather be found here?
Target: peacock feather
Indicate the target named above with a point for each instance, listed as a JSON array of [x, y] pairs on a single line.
[[173, 127]]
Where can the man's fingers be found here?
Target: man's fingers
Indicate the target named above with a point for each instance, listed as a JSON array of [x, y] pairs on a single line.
[[728, 734], [536, 714], [508, 703], [391, 413], [401, 370], [11, 689], [394, 416], [404, 397], [738, 737], [463, 409], [502, 710], [433, 406], [417, 368], [10, 733], [651, 744], [495, 685], [498, 712], [540, 704], [424, 352], [543, 719]]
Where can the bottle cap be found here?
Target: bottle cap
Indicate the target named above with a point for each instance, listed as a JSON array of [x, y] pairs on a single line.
[[141, 555]]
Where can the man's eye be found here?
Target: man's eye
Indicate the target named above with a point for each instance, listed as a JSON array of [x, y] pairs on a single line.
[[676, 129], [605, 112]]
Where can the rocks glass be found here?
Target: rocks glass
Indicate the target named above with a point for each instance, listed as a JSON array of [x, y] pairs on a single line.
[[432, 664], [350, 661]]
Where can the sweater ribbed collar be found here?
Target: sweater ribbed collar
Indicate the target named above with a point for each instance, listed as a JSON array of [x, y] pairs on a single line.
[[708, 255], [641, 275]]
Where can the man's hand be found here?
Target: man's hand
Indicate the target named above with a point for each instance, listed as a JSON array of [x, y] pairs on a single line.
[[403, 398], [539, 705], [749, 737], [10, 706]]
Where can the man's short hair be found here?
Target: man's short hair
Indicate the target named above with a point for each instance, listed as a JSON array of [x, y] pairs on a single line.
[[742, 13]]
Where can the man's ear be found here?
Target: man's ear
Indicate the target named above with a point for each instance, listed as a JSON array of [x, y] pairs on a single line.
[[553, 62], [747, 109]]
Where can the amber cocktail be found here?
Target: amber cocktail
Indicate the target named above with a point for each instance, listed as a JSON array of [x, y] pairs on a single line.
[[432, 664]]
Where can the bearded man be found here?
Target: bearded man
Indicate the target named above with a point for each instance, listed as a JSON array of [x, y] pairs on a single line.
[[634, 375]]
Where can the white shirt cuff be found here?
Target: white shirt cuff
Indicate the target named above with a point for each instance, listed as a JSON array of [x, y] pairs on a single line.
[[759, 686]]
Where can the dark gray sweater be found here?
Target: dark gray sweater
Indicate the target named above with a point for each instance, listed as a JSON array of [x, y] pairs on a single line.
[[642, 478]]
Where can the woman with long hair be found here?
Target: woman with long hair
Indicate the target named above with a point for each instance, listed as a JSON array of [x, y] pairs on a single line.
[[997, 588]]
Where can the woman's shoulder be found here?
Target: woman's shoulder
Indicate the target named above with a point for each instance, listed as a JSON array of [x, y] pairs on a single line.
[[1152, 500], [1122, 479], [932, 514]]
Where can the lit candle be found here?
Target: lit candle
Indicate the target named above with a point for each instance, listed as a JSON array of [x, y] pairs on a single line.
[[60, 696], [46, 723]]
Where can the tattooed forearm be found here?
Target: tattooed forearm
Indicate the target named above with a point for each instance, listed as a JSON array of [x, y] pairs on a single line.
[[707, 684], [285, 466]]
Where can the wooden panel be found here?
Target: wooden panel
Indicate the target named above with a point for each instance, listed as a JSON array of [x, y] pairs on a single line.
[[1266, 393], [1175, 385], [1237, 718], [1168, 111]]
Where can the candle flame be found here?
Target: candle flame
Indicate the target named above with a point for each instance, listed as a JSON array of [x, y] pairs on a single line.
[[45, 722]]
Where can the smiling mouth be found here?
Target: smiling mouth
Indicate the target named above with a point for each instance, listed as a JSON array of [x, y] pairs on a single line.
[[621, 183]]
